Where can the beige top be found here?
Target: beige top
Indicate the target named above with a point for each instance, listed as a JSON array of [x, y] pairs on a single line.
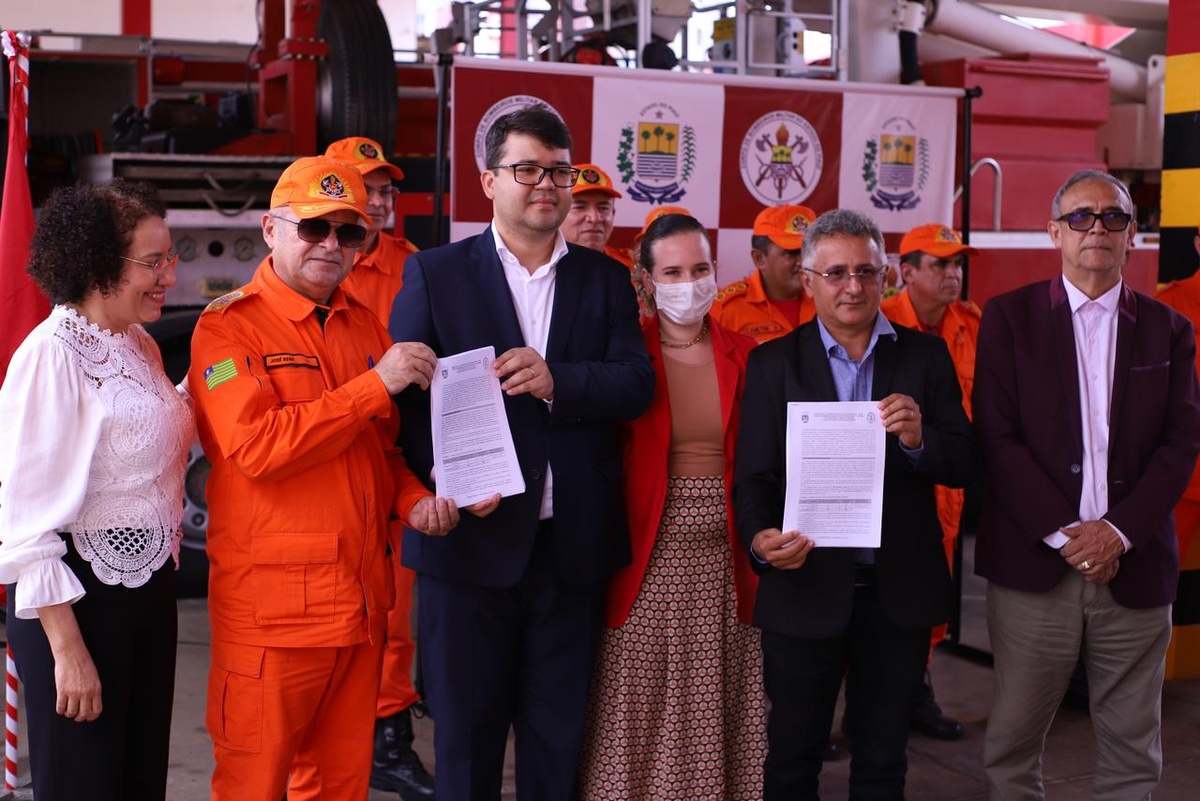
[[696, 437]]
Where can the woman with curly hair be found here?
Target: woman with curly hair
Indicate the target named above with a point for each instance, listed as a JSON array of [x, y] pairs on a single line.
[[92, 457]]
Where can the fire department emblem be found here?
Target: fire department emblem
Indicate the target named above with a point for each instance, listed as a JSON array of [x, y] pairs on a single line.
[[781, 158], [330, 186], [368, 151], [656, 155], [896, 165], [498, 110]]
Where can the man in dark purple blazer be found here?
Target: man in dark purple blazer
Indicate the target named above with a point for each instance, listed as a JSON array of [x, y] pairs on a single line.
[[1088, 418]]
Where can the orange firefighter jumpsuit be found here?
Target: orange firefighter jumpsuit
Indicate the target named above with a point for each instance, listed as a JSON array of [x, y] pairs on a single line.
[[305, 479], [376, 280], [377, 276], [743, 306], [960, 330], [1184, 297]]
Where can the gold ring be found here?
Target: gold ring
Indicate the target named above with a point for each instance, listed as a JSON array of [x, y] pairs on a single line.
[[912, 415], [1085, 564]]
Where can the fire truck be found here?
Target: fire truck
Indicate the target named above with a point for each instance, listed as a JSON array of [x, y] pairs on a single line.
[[213, 124]]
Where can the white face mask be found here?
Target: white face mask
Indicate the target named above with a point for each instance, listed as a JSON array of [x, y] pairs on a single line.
[[686, 303]]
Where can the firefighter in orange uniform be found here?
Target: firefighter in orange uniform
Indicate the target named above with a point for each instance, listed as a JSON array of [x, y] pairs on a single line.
[[593, 207], [292, 380], [379, 264], [931, 265], [770, 302], [377, 276], [1184, 297]]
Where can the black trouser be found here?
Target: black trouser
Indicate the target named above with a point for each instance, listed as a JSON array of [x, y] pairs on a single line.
[[883, 666], [131, 634], [519, 657]]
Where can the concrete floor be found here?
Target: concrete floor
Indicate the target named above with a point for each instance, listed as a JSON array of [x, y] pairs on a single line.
[[938, 771]]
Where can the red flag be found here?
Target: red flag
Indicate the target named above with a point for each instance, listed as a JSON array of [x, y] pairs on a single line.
[[22, 305]]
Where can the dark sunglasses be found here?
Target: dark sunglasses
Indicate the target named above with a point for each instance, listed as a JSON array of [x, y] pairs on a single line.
[[316, 231], [1084, 220]]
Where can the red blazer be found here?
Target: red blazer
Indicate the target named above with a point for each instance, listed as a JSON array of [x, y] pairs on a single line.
[[647, 447]]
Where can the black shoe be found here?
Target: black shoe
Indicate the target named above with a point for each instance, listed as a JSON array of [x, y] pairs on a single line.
[[394, 764], [927, 717]]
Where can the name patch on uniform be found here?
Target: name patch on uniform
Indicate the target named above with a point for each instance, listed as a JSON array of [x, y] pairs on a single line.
[[766, 328], [219, 373], [274, 360]]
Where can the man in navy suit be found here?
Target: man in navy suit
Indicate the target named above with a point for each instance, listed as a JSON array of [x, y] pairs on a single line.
[[1088, 419], [862, 613], [510, 603]]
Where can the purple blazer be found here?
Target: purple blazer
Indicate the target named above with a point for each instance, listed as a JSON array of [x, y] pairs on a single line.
[[1027, 421]]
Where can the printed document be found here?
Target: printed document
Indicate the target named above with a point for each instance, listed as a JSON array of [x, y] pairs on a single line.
[[473, 453], [835, 455]]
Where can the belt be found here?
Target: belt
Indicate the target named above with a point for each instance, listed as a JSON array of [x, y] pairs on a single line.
[[864, 575]]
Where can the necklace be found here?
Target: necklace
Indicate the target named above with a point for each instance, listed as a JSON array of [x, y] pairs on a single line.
[[690, 342]]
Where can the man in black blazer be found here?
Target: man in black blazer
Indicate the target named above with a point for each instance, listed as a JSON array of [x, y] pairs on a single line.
[[863, 613], [510, 603]]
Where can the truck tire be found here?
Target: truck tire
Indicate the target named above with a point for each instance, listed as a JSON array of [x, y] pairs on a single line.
[[173, 333], [356, 84]]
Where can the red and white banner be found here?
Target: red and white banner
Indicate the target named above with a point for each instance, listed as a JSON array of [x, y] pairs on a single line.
[[896, 158], [721, 146], [22, 305]]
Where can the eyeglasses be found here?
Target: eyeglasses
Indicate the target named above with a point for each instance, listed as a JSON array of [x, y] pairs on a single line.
[[382, 192], [316, 231], [532, 174], [160, 266], [1084, 220], [840, 276]]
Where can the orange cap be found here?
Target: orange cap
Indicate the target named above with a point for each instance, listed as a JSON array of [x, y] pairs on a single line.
[[594, 179], [935, 239], [654, 214], [365, 154], [784, 225], [315, 185]]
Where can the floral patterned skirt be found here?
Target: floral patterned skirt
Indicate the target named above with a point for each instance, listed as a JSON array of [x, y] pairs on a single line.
[[677, 709]]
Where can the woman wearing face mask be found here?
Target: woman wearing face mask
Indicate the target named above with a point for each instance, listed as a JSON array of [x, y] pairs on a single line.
[[677, 708]]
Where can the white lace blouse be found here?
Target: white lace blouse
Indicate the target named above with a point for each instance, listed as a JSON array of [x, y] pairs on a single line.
[[93, 441]]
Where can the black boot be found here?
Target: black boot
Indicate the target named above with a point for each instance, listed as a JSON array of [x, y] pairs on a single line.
[[394, 765], [927, 717]]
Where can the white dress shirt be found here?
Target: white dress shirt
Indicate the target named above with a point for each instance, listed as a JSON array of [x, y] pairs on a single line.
[[1095, 325], [533, 300]]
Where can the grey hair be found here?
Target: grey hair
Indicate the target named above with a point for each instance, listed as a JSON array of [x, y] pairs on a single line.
[[839, 222], [1089, 175]]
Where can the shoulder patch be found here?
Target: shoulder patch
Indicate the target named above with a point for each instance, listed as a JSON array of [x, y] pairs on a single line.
[[732, 289], [217, 374], [225, 301]]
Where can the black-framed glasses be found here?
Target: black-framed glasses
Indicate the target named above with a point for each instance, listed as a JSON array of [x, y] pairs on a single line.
[[159, 266], [1084, 220], [316, 230], [840, 276], [532, 174]]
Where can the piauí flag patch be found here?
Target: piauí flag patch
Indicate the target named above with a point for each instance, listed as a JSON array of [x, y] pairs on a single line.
[[219, 373]]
